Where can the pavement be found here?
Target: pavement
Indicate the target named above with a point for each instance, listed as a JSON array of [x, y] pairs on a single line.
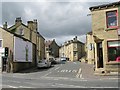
[[88, 73]]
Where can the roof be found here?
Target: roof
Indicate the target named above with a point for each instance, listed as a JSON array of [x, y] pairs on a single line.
[[104, 5], [14, 26], [90, 33], [73, 41], [47, 43], [40, 35], [15, 34]]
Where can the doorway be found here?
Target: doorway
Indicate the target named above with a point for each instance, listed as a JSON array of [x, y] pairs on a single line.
[[99, 55]]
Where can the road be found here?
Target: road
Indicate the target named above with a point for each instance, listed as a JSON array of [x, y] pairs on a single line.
[[68, 75]]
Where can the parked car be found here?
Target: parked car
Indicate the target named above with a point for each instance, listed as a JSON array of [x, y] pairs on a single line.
[[52, 60], [63, 60], [43, 63], [58, 60]]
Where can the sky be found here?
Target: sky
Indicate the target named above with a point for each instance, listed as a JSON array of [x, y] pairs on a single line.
[[60, 20]]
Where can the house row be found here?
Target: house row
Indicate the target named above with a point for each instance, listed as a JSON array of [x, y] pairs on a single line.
[[72, 49], [103, 42], [25, 45]]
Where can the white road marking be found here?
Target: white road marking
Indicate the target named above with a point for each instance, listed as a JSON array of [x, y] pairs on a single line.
[[24, 87], [65, 85], [62, 70], [74, 71], [74, 62], [12, 86], [57, 68], [79, 74], [69, 70], [47, 74]]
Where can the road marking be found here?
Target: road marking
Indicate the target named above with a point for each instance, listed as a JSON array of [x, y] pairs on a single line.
[[47, 74], [79, 74], [74, 62], [69, 70], [67, 85], [57, 68], [73, 71], [62, 70], [12, 86], [24, 87]]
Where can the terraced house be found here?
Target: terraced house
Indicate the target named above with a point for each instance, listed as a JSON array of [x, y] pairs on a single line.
[[73, 50], [25, 45], [105, 31]]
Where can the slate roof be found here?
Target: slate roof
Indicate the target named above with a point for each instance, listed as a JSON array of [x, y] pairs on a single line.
[[104, 5]]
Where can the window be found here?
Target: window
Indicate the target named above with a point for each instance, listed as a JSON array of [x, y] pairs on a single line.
[[21, 31], [74, 53], [0, 43], [114, 51], [111, 19]]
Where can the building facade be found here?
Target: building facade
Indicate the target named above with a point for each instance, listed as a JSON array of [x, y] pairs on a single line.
[[90, 50], [51, 49], [73, 50], [26, 46], [105, 30]]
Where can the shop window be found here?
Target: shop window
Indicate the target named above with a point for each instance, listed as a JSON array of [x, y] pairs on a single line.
[[112, 19], [114, 51]]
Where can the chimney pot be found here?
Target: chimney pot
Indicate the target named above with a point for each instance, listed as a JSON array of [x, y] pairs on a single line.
[[5, 25], [18, 21]]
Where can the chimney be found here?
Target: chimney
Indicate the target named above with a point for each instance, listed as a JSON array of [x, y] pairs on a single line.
[[18, 21], [30, 25], [35, 25], [5, 25], [75, 39]]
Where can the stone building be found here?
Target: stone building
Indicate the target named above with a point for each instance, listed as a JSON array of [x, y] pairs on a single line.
[[51, 49], [105, 31], [40, 46], [73, 50], [25, 44], [90, 51]]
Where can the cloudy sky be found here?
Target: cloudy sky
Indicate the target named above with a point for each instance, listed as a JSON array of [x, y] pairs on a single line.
[[60, 20]]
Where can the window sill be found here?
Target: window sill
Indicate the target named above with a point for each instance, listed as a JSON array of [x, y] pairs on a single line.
[[112, 62], [107, 29]]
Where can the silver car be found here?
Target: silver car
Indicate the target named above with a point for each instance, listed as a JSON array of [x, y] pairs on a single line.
[[43, 63]]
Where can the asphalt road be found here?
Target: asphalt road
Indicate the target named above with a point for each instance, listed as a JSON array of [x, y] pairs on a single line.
[[68, 75]]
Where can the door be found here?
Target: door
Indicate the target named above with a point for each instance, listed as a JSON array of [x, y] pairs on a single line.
[[99, 55]]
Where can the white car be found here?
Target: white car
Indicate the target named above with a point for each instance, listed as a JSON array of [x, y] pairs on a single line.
[[43, 63]]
